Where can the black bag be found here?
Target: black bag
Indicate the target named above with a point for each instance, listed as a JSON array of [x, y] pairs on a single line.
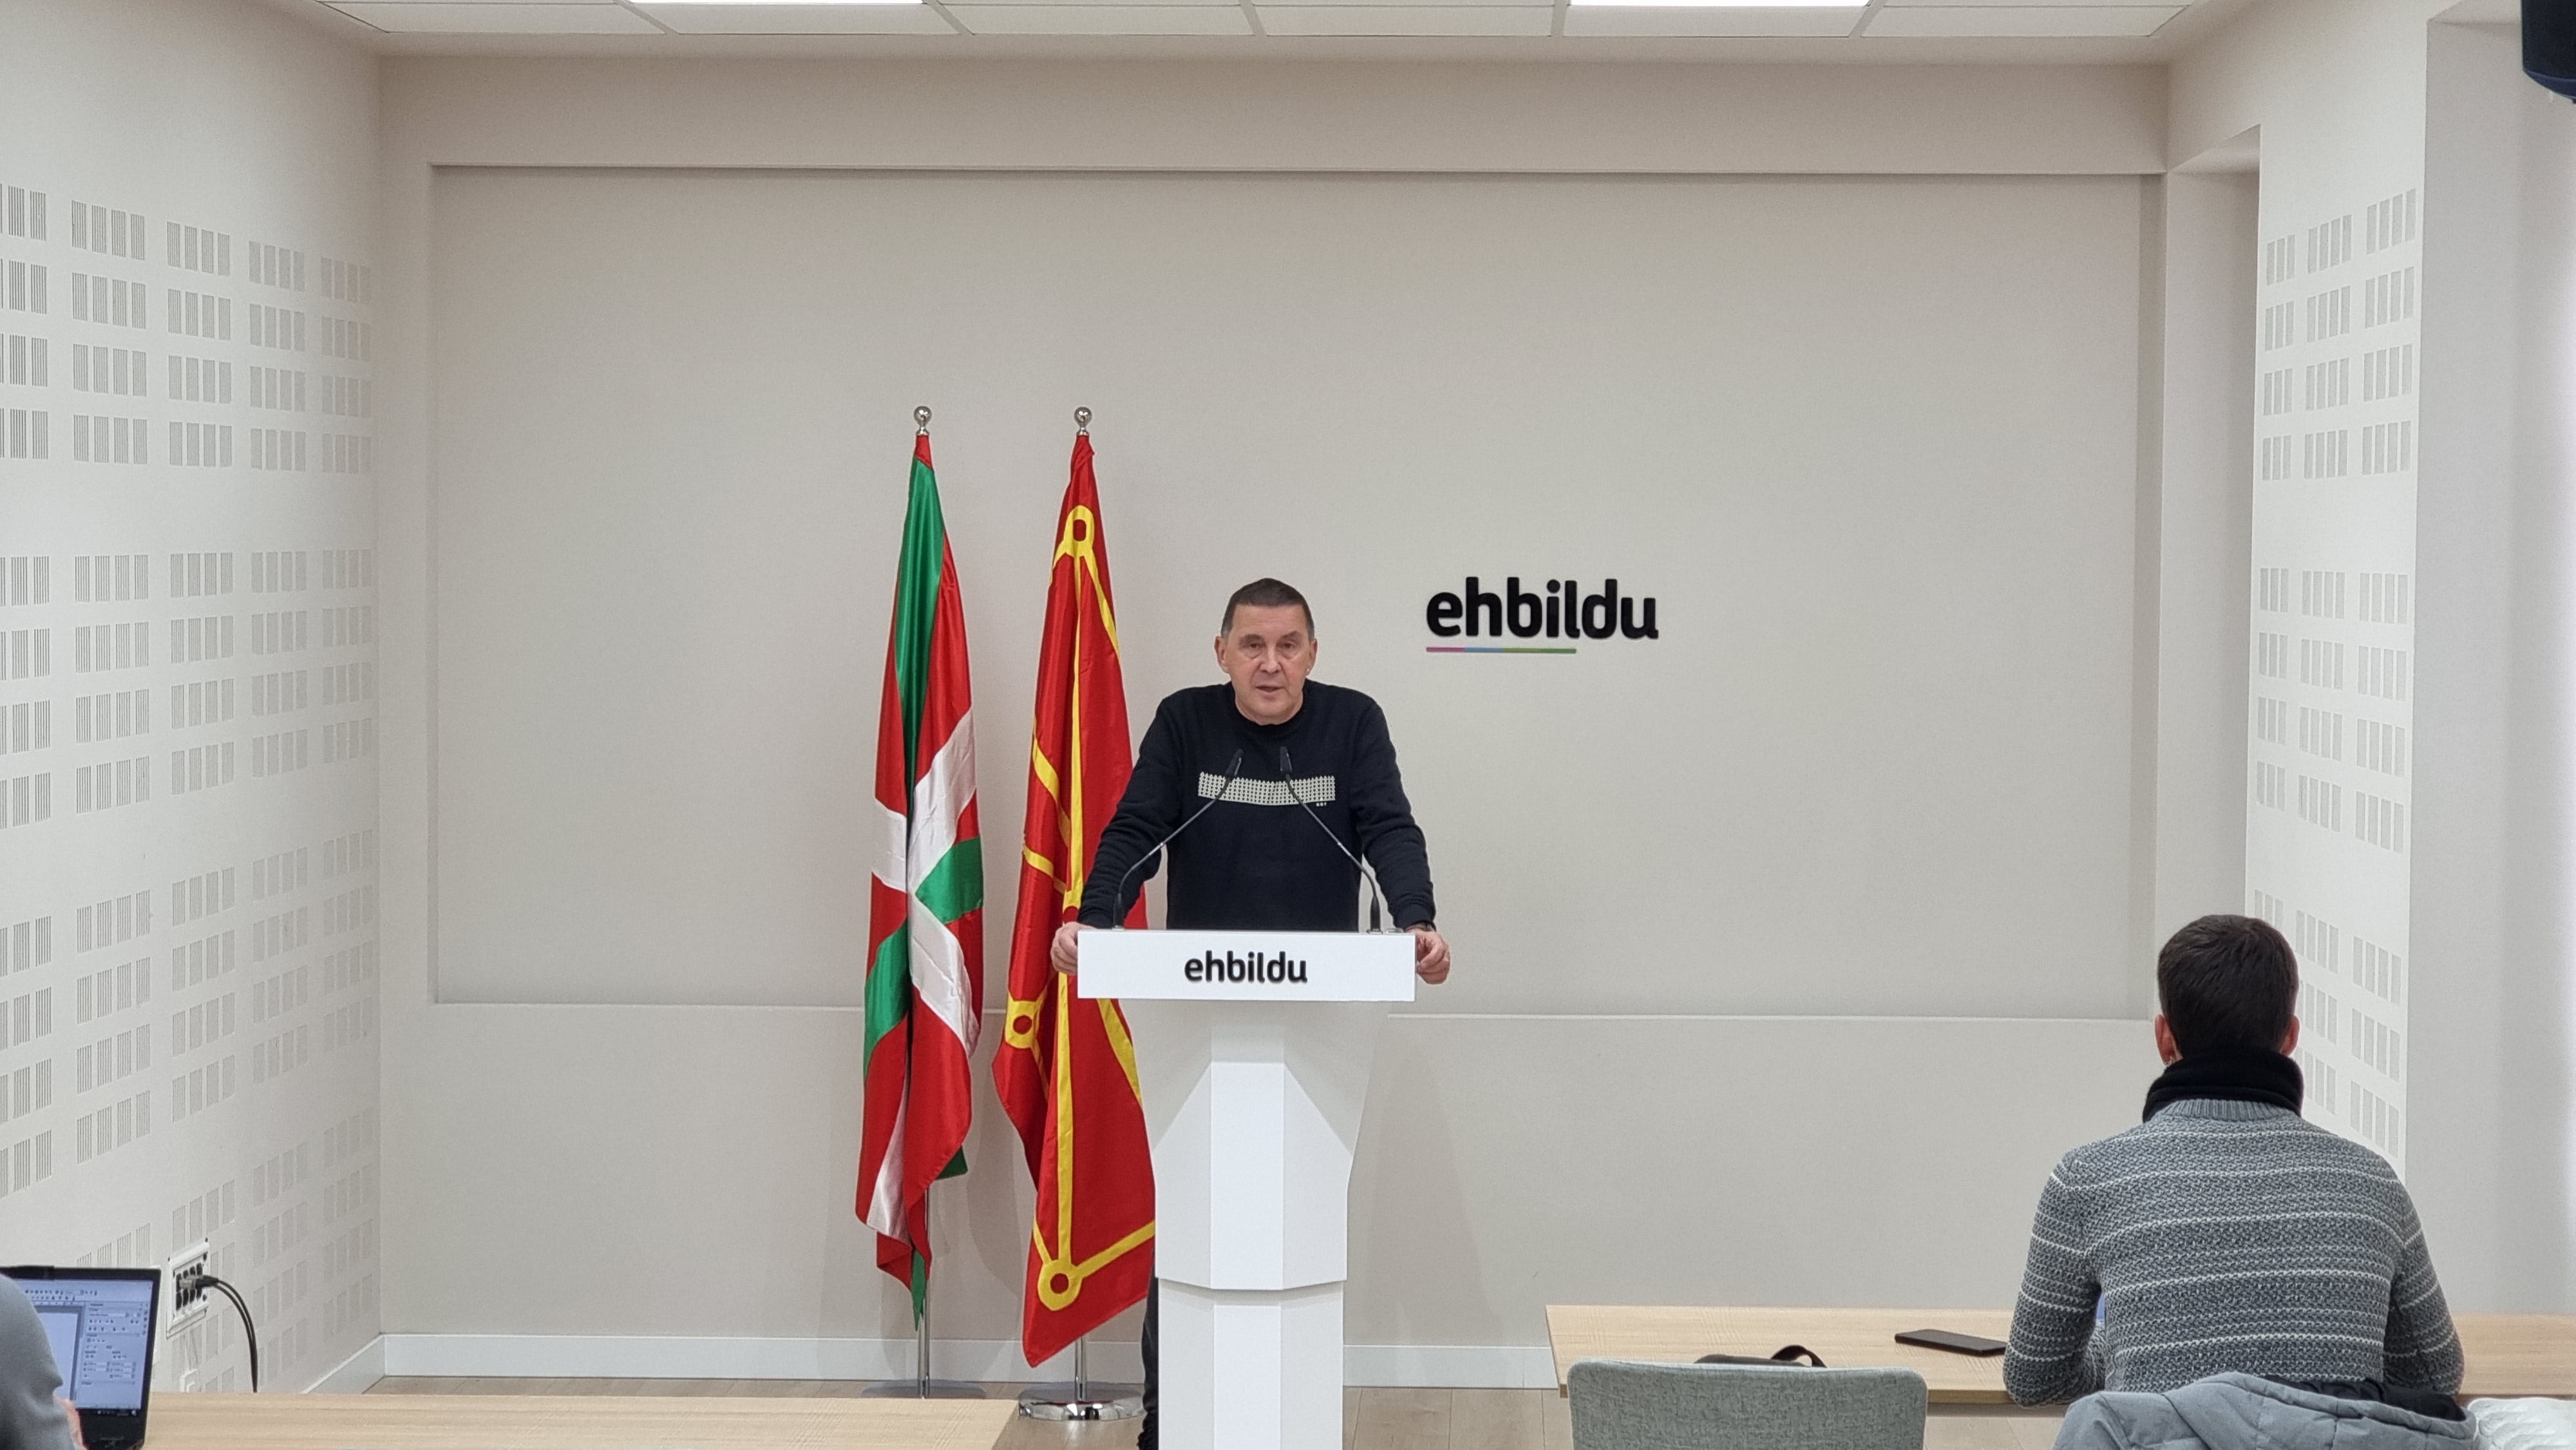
[[1798, 1355]]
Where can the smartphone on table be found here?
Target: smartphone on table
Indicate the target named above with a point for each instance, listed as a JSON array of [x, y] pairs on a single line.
[[1952, 1342]]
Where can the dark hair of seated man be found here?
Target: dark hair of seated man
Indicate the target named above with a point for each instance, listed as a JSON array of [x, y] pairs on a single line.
[[2227, 981]]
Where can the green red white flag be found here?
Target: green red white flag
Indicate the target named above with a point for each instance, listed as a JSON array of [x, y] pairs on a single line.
[[925, 965], [1066, 1071]]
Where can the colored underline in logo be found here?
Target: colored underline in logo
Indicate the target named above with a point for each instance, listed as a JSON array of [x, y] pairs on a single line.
[[1496, 649]]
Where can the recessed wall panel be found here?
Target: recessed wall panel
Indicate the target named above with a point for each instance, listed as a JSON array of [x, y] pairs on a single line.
[[1869, 445]]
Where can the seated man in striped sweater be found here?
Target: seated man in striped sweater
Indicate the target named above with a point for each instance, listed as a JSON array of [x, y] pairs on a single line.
[[2225, 1234]]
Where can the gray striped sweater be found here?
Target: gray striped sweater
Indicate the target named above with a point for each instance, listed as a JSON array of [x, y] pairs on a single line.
[[2224, 1236]]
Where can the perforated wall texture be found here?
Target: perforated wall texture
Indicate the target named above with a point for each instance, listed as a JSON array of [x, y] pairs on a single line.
[[2334, 508], [2339, 300], [187, 722]]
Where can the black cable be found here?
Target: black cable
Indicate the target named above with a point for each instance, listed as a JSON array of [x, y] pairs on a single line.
[[249, 1331], [1288, 778]]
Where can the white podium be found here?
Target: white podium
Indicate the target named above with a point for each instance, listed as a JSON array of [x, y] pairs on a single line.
[[1252, 1053]]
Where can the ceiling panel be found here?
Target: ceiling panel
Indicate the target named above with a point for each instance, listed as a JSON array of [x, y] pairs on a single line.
[[885, 19], [1651, 20], [1407, 19], [1999, 21], [1070, 4], [1103, 19], [2075, 31], [490, 17], [1409, 5]]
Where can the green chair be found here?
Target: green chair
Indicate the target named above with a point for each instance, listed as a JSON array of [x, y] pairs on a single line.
[[1623, 1405]]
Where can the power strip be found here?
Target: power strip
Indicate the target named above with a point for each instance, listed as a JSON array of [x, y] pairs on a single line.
[[183, 1280]]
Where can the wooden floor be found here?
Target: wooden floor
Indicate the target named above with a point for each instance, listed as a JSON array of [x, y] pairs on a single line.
[[1371, 1419]]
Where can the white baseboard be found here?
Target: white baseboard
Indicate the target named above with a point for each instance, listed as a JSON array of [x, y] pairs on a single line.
[[604, 1356], [618, 1356], [352, 1375]]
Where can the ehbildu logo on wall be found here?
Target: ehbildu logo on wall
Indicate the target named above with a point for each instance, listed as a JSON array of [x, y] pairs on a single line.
[[1558, 609]]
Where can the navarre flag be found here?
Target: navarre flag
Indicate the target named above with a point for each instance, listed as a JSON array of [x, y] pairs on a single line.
[[1066, 1071], [925, 982]]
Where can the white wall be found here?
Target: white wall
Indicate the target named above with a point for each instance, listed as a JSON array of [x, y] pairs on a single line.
[[207, 1068], [537, 1152], [2203, 519], [2490, 885], [523, 1138]]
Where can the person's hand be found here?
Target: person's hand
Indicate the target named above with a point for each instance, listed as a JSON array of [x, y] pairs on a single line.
[[1061, 954], [1430, 954], [71, 1413]]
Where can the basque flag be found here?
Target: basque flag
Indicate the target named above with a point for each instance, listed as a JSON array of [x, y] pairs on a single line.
[[925, 983]]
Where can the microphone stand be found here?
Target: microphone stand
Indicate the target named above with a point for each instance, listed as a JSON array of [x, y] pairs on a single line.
[[1288, 777], [1118, 898]]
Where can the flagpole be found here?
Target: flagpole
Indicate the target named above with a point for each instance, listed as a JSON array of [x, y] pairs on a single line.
[[921, 1348], [921, 1386], [1079, 1398]]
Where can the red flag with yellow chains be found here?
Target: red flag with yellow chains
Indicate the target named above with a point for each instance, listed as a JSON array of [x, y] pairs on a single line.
[[1066, 1071]]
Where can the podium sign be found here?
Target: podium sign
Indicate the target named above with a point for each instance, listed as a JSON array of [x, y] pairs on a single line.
[[1248, 966], [1252, 1052]]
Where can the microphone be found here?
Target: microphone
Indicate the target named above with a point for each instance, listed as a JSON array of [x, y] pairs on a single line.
[[1288, 774], [1118, 902]]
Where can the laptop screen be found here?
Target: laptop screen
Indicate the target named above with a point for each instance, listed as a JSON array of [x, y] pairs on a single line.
[[99, 1323]]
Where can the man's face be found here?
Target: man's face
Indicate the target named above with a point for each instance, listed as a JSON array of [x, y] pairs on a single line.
[[1268, 653]]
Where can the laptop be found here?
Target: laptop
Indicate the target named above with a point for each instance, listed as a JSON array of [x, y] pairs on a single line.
[[100, 1323]]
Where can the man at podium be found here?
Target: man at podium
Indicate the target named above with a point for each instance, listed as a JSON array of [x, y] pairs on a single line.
[[1267, 791]]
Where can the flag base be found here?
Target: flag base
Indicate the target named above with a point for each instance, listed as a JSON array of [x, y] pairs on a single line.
[[924, 1390], [1069, 1401]]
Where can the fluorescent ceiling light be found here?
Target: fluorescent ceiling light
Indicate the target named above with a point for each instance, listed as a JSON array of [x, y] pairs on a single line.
[[1731, 4], [771, 4]]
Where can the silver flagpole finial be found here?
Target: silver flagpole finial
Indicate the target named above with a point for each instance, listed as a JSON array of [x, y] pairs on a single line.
[[1082, 420], [921, 418]]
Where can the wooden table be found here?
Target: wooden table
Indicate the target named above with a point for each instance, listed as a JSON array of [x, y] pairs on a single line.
[[535, 1422], [2509, 1355]]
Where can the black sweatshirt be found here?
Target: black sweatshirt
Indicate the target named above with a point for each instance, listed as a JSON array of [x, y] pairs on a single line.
[[1255, 859]]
